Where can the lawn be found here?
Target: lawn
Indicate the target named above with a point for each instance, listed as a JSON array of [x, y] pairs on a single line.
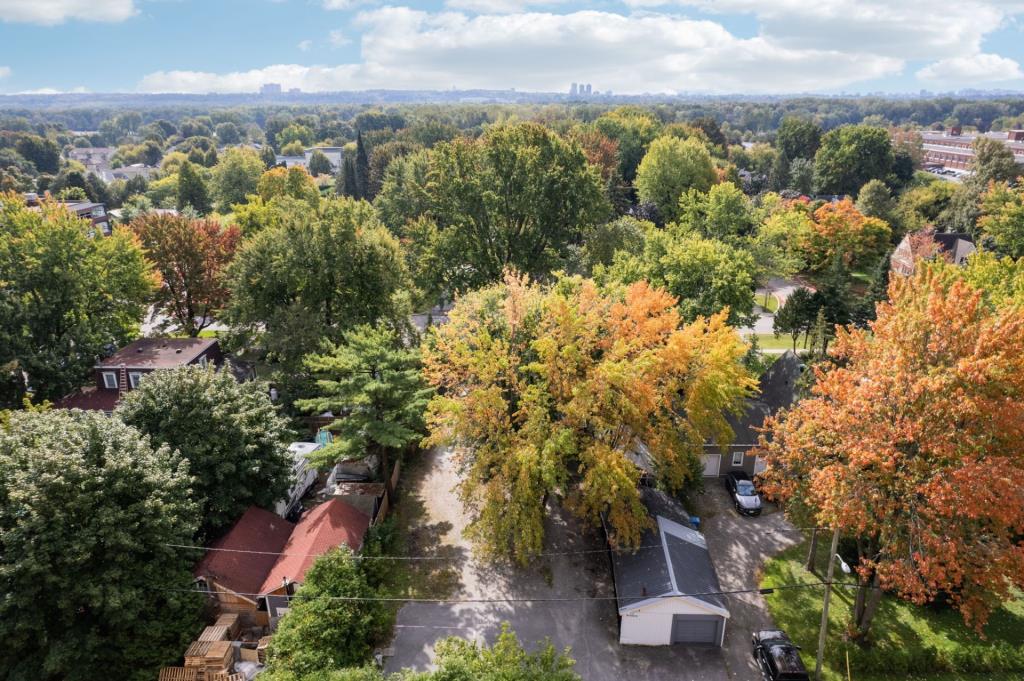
[[768, 341], [770, 305], [910, 642]]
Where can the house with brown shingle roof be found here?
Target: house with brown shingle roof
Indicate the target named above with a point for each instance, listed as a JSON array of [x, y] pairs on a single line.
[[123, 370]]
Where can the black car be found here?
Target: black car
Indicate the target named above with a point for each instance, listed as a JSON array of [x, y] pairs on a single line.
[[777, 657], [744, 496]]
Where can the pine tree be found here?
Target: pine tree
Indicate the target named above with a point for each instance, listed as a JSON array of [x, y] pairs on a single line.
[[346, 182], [192, 190], [362, 170], [878, 290]]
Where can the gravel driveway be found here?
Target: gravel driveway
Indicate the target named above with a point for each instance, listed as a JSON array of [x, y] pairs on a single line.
[[588, 627], [739, 547]]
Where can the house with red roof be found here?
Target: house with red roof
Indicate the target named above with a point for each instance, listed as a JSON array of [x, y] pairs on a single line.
[[263, 559]]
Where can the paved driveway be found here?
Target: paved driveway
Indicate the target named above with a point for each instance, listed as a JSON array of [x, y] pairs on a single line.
[[739, 546], [588, 627]]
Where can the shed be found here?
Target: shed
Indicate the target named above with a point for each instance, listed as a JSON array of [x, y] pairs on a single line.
[[667, 590]]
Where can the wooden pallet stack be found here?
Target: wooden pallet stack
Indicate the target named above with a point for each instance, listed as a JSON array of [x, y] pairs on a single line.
[[214, 633], [177, 674], [228, 677], [231, 621], [209, 658], [261, 649]]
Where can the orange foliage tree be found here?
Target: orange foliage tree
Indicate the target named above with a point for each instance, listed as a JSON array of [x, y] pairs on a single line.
[[840, 229], [548, 391], [190, 256], [910, 443]]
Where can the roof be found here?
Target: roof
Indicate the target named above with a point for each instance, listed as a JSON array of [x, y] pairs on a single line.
[[300, 450], [89, 398], [157, 353], [778, 385], [244, 573], [672, 560], [327, 526]]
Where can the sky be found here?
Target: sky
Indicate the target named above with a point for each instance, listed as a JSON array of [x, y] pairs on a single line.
[[625, 46]]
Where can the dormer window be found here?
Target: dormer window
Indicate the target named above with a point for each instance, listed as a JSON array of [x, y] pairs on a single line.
[[110, 380]]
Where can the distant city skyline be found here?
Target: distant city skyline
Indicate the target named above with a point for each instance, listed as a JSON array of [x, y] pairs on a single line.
[[623, 46]]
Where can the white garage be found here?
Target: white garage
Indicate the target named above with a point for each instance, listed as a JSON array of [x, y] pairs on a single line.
[[667, 590]]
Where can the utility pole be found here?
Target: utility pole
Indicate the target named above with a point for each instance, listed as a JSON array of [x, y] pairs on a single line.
[[824, 608]]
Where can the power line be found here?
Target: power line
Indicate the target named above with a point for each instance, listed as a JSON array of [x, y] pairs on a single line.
[[541, 599], [410, 558]]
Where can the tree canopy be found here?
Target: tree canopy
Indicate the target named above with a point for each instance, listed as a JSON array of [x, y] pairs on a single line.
[[517, 197], [548, 390], [66, 298], [851, 155], [91, 589], [190, 256], [229, 432], [908, 443], [670, 167]]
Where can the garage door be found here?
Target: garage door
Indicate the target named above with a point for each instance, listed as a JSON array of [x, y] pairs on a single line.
[[696, 629], [711, 464]]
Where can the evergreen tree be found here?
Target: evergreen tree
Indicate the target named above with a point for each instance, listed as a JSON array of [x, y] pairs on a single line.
[[796, 316], [192, 190], [362, 170], [319, 164], [268, 156], [878, 290]]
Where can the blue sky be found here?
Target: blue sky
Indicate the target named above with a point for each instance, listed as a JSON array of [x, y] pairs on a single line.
[[628, 46]]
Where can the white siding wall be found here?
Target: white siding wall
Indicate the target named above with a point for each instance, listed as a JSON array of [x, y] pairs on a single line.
[[651, 625]]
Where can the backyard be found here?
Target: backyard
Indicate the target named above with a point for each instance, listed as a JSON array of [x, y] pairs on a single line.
[[909, 642]]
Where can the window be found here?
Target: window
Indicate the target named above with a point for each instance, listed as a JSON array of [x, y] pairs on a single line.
[[202, 361], [134, 378], [737, 459], [110, 380]]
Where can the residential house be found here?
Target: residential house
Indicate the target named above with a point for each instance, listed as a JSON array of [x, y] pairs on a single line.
[[928, 244], [777, 390], [96, 213], [123, 370], [667, 590], [336, 156], [303, 476], [263, 559]]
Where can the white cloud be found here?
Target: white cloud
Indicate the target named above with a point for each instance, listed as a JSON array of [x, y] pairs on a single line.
[[305, 45], [53, 91], [338, 38], [903, 29], [499, 6], [49, 12], [406, 48], [5, 71], [966, 71], [346, 4]]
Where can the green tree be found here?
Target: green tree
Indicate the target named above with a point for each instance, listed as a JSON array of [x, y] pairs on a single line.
[[850, 156], [361, 168], [797, 138], [295, 182], [294, 148], [314, 274], [1002, 218], [236, 176], [993, 162], [268, 156], [376, 382], [623, 234], [321, 631], [670, 167], [319, 164], [192, 190], [228, 133], [707, 276], [801, 175], [632, 129], [65, 297], [518, 197], [87, 510], [506, 660], [875, 201], [42, 152], [796, 316], [229, 432]]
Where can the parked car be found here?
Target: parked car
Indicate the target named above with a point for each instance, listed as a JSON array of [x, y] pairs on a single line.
[[777, 657], [744, 495]]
